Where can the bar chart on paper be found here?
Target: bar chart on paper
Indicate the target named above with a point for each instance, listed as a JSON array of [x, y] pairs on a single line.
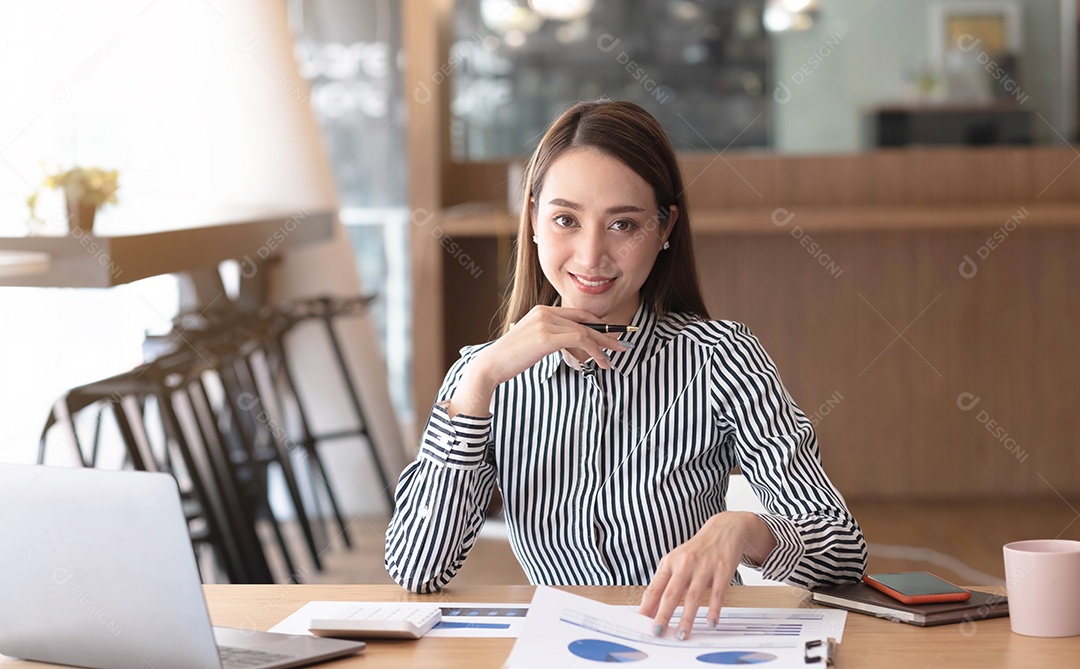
[[482, 619], [464, 619]]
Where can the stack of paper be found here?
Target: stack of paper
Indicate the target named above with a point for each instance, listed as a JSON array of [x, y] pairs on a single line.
[[564, 630]]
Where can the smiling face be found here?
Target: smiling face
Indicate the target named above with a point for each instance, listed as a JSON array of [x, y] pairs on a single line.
[[598, 233]]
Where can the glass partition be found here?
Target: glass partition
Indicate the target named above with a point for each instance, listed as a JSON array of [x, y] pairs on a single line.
[[700, 67], [850, 75], [350, 55]]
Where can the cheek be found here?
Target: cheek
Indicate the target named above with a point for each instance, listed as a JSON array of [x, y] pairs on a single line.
[[640, 259], [550, 255]]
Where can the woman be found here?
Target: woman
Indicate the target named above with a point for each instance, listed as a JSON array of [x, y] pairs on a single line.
[[613, 468]]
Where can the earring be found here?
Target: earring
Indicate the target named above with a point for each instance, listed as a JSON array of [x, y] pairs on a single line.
[[535, 240], [667, 245]]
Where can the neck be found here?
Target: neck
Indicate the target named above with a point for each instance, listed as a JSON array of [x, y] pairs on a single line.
[[624, 317]]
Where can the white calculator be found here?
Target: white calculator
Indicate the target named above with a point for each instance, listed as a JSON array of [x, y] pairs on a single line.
[[379, 621]]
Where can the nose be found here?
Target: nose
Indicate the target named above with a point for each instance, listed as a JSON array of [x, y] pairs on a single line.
[[592, 253]]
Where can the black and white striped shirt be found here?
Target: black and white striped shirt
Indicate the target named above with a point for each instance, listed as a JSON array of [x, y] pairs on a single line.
[[603, 472]]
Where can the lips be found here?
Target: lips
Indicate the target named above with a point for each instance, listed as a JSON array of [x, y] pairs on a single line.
[[592, 285]]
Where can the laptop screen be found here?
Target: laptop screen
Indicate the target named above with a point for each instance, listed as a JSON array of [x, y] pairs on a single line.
[[97, 570]]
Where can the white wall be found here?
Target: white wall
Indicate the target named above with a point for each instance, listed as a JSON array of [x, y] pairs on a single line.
[[854, 56], [201, 107]]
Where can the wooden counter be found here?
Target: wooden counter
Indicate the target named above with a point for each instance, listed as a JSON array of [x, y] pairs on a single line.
[[79, 260]]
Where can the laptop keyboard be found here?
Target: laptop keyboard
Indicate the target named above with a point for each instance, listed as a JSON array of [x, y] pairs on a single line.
[[239, 658]]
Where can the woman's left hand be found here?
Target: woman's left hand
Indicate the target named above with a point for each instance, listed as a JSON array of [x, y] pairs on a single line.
[[699, 571]]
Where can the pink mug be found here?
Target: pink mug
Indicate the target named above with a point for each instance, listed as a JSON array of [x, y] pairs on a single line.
[[1043, 580]]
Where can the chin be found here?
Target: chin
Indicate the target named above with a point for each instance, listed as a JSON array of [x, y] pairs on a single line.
[[601, 311]]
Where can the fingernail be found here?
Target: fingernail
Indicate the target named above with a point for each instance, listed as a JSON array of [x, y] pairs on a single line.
[[658, 630], [712, 623], [627, 344], [680, 635]]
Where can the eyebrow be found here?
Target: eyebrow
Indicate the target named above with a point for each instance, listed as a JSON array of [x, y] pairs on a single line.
[[620, 209]]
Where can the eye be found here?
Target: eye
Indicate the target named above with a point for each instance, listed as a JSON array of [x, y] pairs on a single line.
[[623, 225], [564, 221]]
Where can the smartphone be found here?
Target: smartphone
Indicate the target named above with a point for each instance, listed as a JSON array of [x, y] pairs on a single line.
[[917, 587]]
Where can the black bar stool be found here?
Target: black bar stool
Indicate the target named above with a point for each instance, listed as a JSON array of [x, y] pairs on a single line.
[[243, 343], [168, 385], [327, 310]]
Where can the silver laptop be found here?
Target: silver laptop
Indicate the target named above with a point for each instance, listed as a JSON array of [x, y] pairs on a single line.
[[97, 570]]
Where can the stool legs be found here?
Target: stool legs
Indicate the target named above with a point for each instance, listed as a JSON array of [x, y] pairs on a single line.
[[243, 541], [253, 435], [354, 397], [308, 441]]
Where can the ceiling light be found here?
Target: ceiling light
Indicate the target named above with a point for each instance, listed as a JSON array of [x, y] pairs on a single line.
[[562, 10], [784, 15], [503, 16]]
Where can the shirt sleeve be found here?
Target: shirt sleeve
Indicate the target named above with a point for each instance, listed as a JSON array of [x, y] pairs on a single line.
[[818, 542], [442, 497]]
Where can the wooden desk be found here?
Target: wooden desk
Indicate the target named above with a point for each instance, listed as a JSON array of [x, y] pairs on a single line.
[[868, 642]]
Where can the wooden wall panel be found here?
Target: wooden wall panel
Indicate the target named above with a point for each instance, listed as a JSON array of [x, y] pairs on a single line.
[[476, 182], [900, 177], [473, 294], [1006, 335]]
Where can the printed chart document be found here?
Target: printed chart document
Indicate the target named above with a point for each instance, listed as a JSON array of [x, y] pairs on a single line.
[[467, 619], [565, 630]]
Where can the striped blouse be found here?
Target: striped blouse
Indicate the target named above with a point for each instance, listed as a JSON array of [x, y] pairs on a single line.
[[603, 472]]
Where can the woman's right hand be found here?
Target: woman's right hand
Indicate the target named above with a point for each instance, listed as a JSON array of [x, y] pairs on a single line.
[[539, 333]]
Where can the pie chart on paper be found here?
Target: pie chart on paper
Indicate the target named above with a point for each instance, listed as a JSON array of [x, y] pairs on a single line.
[[736, 657], [605, 651]]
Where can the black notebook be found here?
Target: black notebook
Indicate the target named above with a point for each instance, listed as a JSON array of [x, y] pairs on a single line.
[[861, 598]]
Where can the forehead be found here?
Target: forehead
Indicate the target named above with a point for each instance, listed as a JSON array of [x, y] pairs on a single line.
[[595, 180]]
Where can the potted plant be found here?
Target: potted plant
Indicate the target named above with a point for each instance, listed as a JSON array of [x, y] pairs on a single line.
[[85, 189]]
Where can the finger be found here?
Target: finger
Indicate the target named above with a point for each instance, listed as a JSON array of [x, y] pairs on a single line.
[[585, 342], [716, 600], [579, 317], [611, 342], [650, 601], [691, 603], [604, 340], [607, 341], [672, 597]]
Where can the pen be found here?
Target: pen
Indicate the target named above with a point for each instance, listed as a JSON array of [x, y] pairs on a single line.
[[604, 327]]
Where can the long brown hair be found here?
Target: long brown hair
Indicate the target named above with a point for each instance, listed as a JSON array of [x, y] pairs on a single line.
[[628, 133]]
